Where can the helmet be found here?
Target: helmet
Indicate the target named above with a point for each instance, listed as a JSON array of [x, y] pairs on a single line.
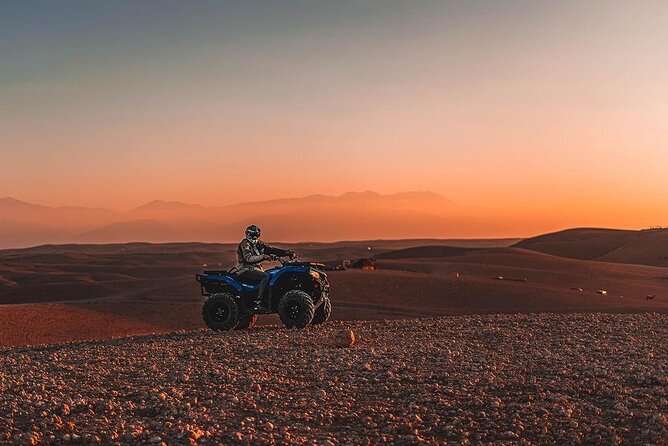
[[252, 233]]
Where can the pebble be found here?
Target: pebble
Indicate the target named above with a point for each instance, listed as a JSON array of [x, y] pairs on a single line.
[[533, 379]]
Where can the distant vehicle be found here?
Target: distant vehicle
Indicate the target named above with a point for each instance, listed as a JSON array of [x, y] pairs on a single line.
[[299, 294], [337, 267], [364, 264]]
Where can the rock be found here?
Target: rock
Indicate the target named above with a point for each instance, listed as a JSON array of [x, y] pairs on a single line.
[[345, 338]]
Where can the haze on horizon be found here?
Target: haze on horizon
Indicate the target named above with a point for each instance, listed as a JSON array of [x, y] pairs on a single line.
[[554, 112]]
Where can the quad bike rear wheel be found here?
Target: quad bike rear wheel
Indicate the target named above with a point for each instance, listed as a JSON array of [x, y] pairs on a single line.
[[323, 312], [296, 309], [246, 322], [221, 312]]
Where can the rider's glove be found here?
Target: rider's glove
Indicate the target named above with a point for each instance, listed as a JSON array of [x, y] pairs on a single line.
[[268, 257]]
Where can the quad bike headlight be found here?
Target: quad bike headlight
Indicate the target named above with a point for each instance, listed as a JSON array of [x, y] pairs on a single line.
[[315, 274]]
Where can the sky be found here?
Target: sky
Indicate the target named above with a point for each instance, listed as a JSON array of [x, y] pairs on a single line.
[[539, 109]]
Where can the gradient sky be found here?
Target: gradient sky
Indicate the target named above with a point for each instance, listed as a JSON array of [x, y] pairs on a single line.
[[537, 108]]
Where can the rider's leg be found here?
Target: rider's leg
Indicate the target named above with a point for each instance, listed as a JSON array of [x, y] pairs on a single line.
[[262, 290], [261, 280]]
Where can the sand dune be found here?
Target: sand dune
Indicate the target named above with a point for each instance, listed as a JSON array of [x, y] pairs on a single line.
[[647, 247], [644, 247]]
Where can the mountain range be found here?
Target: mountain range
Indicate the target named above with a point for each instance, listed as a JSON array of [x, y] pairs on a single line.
[[325, 218], [353, 215]]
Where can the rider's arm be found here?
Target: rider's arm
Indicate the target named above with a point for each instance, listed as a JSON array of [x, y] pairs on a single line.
[[267, 249], [247, 253]]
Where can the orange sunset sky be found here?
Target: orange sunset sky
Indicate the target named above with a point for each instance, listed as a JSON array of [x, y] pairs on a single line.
[[539, 110]]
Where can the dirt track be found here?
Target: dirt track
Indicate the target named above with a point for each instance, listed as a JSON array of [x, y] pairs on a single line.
[[502, 379]]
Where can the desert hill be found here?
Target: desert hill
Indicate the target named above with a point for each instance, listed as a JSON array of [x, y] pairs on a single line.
[[646, 247], [425, 252], [73, 292]]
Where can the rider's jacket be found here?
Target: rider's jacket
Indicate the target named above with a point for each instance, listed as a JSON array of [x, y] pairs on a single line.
[[250, 255]]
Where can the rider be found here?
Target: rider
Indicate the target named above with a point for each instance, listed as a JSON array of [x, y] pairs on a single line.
[[250, 254]]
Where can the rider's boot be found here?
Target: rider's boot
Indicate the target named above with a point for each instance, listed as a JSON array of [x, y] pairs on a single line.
[[258, 305], [262, 304]]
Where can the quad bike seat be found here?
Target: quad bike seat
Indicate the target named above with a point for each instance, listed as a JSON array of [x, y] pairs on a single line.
[[234, 273]]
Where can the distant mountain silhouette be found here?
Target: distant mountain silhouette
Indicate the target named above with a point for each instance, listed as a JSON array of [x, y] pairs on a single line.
[[349, 216], [160, 205], [11, 203], [20, 233], [131, 231], [63, 220], [352, 215]]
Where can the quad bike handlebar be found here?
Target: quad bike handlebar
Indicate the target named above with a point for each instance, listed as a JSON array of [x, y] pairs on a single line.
[[292, 256]]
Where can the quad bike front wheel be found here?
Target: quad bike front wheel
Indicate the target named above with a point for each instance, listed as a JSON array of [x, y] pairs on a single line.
[[323, 312], [296, 309], [221, 312]]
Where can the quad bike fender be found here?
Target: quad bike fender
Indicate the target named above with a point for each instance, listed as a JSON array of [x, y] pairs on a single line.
[[216, 280], [276, 274]]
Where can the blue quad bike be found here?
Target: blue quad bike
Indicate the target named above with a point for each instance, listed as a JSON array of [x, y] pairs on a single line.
[[298, 293]]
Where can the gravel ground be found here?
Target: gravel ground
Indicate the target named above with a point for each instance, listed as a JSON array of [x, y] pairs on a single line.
[[501, 379]]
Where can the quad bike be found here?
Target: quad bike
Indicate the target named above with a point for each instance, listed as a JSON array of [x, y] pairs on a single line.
[[298, 293]]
